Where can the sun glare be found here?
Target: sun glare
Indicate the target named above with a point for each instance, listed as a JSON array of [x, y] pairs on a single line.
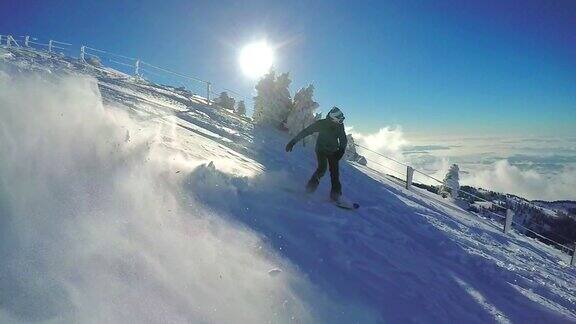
[[256, 59]]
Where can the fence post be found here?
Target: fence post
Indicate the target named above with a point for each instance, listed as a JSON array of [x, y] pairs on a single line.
[[26, 40], [137, 67], [409, 176], [82, 52], [1, 39], [8, 40], [208, 90], [509, 217], [12, 40], [50, 46], [573, 261]]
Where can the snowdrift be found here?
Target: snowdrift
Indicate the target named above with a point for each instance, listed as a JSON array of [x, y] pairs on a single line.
[[124, 201]]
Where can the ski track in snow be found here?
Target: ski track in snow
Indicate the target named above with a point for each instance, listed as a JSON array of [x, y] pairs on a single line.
[[220, 185]]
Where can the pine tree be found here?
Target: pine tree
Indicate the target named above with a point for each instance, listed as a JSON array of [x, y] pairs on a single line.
[[451, 184], [302, 113], [240, 108], [264, 94], [283, 95], [225, 101], [272, 103], [94, 61]]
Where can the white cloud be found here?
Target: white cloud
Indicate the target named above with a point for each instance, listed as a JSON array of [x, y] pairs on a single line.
[[483, 162], [388, 141], [504, 177]]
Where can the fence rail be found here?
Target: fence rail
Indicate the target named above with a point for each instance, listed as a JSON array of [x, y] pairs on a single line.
[[135, 66], [509, 218]]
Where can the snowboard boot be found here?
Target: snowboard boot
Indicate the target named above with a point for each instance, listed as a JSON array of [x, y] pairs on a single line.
[[312, 185]]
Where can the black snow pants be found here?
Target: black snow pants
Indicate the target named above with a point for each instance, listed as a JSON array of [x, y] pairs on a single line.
[[324, 160]]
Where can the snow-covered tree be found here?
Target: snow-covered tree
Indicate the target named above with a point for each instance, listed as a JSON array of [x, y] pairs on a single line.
[[225, 101], [451, 184], [283, 95], [94, 61], [351, 154], [302, 113], [272, 103], [240, 108]]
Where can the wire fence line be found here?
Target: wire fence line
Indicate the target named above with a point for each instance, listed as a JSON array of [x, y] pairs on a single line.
[[39, 44], [216, 91], [380, 154], [427, 175], [135, 66], [140, 68], [174, 73], [108, 53], [562, 247], [402, 175]]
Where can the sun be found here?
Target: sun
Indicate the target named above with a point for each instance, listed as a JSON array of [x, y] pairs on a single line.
[[256, 59]]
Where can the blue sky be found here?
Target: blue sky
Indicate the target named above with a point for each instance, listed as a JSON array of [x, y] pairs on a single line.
[[433, 67]]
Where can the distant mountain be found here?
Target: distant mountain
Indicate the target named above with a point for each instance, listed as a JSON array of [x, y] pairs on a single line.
[[561, 206]]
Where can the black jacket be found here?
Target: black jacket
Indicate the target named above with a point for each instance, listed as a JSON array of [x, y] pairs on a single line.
[[331, 136]]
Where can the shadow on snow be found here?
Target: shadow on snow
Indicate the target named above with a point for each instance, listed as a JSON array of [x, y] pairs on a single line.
[[386, 255]]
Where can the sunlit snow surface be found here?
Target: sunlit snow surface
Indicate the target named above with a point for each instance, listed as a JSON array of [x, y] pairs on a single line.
[[126, 202]]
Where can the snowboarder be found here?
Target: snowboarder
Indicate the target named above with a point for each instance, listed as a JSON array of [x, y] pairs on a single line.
[[330, 147]]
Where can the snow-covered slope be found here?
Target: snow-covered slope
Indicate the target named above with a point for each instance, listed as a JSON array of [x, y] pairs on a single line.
[[122, 201], [564, 206]]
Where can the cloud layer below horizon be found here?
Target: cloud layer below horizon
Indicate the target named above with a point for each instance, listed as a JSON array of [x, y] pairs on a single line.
[[533, 168]]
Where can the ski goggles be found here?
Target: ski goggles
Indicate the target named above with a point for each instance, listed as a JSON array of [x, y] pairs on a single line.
[[339, 119]]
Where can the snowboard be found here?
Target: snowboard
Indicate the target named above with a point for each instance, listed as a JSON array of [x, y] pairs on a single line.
[[341, 203]]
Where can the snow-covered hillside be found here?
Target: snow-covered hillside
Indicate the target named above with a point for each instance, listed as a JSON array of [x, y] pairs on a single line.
[[564, 206], [126, 202]]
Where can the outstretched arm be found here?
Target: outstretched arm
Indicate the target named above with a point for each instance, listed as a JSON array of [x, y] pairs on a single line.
[[313, 128], [303, 133]]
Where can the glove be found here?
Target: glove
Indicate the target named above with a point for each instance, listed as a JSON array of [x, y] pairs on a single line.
[[339, 154], [289, 146]]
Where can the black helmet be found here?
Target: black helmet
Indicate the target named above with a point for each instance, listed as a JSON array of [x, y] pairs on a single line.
[[336, 115]]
